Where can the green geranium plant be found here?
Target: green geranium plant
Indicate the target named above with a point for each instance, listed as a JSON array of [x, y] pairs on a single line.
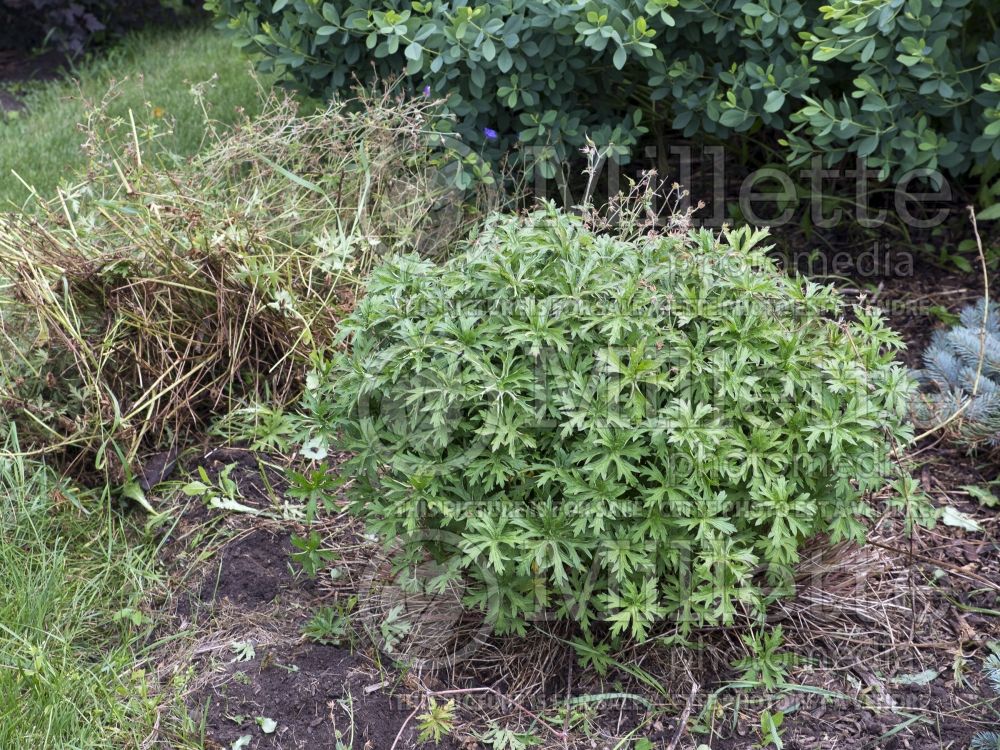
[[610, 430]]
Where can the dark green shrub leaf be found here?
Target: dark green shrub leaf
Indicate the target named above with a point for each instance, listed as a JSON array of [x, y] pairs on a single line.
[[596, 64]]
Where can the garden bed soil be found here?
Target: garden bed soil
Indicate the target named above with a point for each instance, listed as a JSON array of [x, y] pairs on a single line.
[[249, 591], [312, 692]]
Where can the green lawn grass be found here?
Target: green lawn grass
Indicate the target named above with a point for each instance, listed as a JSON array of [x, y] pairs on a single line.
[[68, 648], [154, 73], [72, 583]]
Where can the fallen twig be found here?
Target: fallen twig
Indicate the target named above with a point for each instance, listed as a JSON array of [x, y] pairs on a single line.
[[683, 719]]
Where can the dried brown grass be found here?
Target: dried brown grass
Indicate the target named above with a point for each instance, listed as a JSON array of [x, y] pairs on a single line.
[[159, 292]]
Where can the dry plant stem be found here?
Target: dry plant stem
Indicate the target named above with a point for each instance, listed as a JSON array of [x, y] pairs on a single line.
[[561, 735], [982, 333], [467, 691], [942, 564], [406, 723], [569, 690], [169, 292], [683, 718]]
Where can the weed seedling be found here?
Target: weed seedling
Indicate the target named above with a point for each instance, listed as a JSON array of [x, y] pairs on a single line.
[[770, 729], [394, 627], [766, 664], [315, 490], [331, 626], [507, 739], [436, 722], [243, 650], [310, 556]]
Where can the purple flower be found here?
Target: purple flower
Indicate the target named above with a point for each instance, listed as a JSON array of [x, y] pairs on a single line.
[[490, 133], [427, 90]]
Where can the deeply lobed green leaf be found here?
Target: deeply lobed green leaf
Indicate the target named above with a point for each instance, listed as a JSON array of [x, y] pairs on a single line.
[[612, 430]]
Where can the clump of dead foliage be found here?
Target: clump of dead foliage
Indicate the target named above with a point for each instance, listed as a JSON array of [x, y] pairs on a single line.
[[146, 299]]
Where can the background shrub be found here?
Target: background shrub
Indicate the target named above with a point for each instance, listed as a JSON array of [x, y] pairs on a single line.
[[150, 297], [593, 420], [74, 25], [903, 83]]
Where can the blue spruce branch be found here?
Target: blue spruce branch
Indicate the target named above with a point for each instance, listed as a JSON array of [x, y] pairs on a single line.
[[948, 378]]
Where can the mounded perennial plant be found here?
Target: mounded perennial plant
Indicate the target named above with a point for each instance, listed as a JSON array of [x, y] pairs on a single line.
[[614, 431]]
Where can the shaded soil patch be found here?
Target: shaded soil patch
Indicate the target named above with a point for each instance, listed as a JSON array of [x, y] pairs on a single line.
[[253, 571], [248, 605], [316, 694], [19, 66]]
